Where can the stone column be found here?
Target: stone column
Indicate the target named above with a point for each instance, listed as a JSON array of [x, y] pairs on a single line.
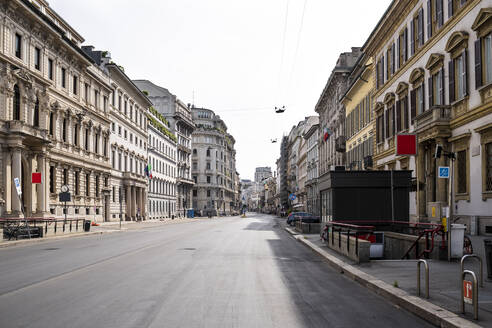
[[16, 173], [128, 202], [29, 190], [40, 188], [134, 202], [421, 180], [144, 207], [7, 180]]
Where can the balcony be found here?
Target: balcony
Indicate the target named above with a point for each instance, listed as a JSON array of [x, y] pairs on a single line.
[[340, 144], [436, 116]]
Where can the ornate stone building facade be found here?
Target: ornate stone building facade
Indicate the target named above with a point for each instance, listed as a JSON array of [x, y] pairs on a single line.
[[214, 164], [332, 121], [55, 116], [434, 78], [181, 125]]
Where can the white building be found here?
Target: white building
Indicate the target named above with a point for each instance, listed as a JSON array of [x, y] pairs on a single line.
[[181, 125], [128, 140], [163, 170], [312, 136]]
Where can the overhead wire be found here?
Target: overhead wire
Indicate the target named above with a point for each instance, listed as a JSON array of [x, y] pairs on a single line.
[[282, 52], [298, 42]]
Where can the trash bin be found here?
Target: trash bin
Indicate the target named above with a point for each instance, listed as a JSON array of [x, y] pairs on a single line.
[[457, 237], [487, 243], [190, 213], [87, 225]]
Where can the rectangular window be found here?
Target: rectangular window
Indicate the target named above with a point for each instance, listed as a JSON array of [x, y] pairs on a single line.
[[96, 98], [87, 184], [97, 186], [37, 58], [63, 77], [114, 194], [65, 176], [18, 45], [105, 103], [77, 183], [487, 47], [75, 84], [458, 77], [52, 179], [86, 144], [488, 166], [113, 156], [50, 69], [461, 172], [119, 103]]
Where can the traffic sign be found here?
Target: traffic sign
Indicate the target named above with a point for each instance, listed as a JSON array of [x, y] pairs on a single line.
[[18, 186], [467, 291], [444, 172], [292, 197]]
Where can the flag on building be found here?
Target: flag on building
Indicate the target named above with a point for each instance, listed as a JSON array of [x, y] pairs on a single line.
[[326, 134]]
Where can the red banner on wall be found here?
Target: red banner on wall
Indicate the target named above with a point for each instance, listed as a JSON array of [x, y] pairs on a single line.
[[36, 177]]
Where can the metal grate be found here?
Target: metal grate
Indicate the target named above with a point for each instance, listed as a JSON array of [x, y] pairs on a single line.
[[488, 166], [461, 174]]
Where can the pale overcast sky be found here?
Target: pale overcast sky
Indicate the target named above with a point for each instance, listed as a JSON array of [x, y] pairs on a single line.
[[229, 55]]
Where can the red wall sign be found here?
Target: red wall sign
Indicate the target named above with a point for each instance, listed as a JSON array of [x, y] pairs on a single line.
[[36, 177], [406, 144]]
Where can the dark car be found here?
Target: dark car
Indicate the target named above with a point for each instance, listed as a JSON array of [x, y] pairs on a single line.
[[295, 216]]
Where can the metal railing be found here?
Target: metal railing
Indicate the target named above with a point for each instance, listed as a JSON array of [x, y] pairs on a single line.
[[481, 265], [419, 262], [474, 293], [346, 228], [45, 223]]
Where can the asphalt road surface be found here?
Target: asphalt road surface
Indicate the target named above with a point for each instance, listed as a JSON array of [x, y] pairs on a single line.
[[226, 272]]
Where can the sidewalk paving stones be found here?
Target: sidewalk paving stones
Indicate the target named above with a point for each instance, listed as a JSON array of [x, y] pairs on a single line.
[[380, 276]]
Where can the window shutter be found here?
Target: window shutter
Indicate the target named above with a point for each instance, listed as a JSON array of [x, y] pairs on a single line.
[[405, 44], [412, 37], [450, 8], [429, 19], [478, 63], [451, 82], [421, 26], [405, 112], [382, 69], [439, 13], [398, 116], [378, 129], [413, 104], [431, 92], [393, 121], [377, 75], [422, 99], [393, 61], [386, 130], [441, 89], [465, 72], [398, 49]]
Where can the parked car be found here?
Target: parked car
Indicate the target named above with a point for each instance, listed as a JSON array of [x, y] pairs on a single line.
[[294, 216]]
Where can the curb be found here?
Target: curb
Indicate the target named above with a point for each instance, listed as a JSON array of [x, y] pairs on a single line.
[[54, 238], [416, 305]]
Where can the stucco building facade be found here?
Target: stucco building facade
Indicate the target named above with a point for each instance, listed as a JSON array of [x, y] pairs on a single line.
[[433, 77]]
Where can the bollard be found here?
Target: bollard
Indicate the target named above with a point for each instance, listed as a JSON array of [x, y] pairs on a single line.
[[419, 262], [475, 293], [481, 265]]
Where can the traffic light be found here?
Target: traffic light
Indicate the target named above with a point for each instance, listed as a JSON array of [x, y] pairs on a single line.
[[438, 151]]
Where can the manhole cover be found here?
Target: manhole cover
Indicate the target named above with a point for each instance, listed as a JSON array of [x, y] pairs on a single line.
[[188, 249], [51, 249]]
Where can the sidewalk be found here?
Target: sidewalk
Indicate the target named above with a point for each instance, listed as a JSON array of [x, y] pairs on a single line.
[[443, 306], [102, 228]]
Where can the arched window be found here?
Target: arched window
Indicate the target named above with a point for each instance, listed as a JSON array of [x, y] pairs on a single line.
[[17, 104], [35, 120]]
